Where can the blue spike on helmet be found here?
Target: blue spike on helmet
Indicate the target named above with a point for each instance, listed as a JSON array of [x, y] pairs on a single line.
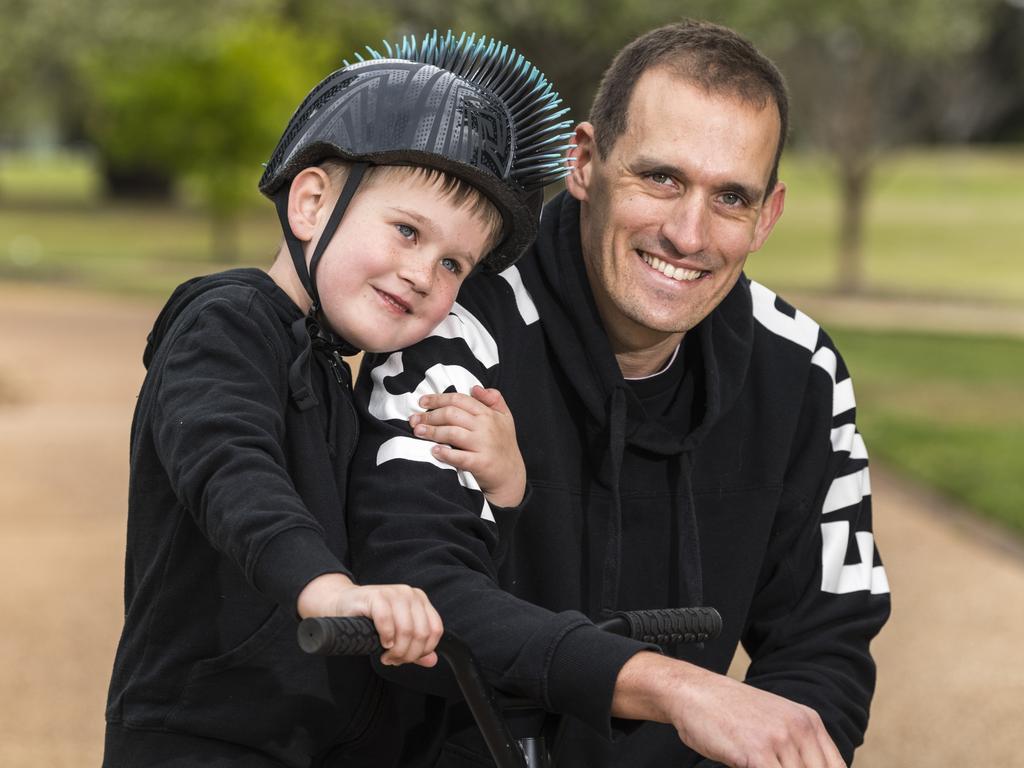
[[532, 103]]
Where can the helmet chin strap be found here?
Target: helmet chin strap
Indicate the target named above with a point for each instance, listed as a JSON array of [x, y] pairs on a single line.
[[308, 275]]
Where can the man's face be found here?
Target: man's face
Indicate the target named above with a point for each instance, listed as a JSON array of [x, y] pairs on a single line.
[[669, 216]]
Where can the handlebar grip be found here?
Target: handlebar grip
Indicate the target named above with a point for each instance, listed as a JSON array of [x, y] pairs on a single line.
[[666, 626], [339, 636]]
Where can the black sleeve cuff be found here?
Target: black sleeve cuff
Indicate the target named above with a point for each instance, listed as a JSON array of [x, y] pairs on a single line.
[[505, 518], [583, 671], [291, 560]]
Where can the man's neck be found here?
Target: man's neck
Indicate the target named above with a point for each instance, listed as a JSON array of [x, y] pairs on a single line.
[[638, 361]]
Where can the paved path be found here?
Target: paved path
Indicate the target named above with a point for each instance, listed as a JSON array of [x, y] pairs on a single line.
[[911, 314], [951, 688]]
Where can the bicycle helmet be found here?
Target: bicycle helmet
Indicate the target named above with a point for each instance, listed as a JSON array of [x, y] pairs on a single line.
[[471, 107]]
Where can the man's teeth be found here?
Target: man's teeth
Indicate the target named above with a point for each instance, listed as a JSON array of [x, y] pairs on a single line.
[[676, 273]]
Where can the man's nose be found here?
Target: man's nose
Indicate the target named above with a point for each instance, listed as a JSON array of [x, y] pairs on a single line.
[[687, 225]]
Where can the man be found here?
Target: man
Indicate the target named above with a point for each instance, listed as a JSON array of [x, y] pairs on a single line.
[[689, 439]]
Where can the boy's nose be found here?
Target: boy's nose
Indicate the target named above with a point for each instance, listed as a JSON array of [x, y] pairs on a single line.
[[418, 272]]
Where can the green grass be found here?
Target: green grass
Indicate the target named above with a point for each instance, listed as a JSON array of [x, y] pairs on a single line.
[[940, 223], [55, 227], [946, 410]]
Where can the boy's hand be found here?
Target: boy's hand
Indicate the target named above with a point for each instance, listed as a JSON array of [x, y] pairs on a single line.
[[476, 434], [407, 623]]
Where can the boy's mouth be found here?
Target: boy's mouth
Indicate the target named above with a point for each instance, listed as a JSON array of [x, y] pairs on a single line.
[[394, 302]]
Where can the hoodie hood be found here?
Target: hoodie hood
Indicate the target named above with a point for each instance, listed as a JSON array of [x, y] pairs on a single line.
[[308, 335], [191, 290], [617, 418], [574, 329]]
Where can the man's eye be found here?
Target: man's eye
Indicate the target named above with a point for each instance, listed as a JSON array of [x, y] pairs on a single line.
[[659, 178], [406, 231], [452, 266], [732, 199]]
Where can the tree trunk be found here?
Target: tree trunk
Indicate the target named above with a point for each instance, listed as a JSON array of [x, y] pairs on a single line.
[[854, 178], [224, 237]]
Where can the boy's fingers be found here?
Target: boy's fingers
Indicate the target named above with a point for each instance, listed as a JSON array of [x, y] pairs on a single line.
[[447, 415], [492, 398], [399, 650], [454, 436], [452, 399], [430, 660], [459, 459], [383, 620]]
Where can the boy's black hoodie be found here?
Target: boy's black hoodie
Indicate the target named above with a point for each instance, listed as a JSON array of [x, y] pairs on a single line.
[[240, 449], [746, 491]]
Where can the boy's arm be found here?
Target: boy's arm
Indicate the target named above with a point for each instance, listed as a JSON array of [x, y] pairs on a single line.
[[219, 434], [221, 406], [415, 519]]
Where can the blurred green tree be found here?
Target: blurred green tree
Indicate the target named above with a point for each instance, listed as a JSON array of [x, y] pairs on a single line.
[[212, 109], [214, 112], [865, 75]]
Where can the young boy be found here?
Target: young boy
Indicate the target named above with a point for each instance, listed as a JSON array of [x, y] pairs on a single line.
[[394, 179]]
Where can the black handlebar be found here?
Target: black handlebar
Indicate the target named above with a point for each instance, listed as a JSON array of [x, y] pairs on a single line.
[[666, 626], [356, 636]]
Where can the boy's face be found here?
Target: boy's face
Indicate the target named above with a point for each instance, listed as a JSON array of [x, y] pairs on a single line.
[[393, 268]]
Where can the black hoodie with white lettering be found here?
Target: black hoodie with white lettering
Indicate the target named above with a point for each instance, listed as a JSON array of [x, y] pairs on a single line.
[[741, 484]]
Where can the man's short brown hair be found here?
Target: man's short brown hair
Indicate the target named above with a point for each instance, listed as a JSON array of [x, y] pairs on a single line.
[[710, 56]]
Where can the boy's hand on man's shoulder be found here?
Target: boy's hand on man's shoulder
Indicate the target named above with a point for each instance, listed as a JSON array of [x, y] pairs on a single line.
[[476, 433], [407, 623]]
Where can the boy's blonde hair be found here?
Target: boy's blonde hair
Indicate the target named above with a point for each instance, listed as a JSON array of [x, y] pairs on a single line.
[[460, 193]]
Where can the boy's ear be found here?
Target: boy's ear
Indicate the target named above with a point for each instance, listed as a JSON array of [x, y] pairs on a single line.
[[306, 200], [583, 155]]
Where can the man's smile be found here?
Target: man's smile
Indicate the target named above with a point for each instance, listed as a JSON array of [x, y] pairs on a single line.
[[679, 274]]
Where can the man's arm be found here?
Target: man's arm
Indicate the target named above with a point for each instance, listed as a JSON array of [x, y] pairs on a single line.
[[720, 718], [823, 594]]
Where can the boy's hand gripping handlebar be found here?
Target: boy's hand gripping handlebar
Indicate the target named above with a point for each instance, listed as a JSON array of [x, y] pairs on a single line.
[[356, 636]]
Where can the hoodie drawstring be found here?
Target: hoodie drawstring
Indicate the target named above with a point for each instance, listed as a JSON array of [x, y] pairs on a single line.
[[613, 546], [690, 577]]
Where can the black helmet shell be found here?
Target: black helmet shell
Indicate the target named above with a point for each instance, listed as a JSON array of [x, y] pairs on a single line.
[[475, 110]]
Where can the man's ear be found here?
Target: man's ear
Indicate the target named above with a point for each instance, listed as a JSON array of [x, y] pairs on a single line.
[[583, 156], [306, 200], [771, 211]]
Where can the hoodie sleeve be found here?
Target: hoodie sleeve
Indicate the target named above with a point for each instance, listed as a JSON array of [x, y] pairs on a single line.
[[220, 403], [413, 519], [823, 593]]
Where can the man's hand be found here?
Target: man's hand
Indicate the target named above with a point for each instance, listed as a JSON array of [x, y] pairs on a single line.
[[476, 434], [723, 719], [407, 623]]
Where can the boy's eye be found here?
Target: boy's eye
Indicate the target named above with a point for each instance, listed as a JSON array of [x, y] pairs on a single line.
[[406, 231], [452, 266]]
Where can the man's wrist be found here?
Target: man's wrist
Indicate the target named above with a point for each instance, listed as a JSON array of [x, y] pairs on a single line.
[[318, 597], [649, 686]]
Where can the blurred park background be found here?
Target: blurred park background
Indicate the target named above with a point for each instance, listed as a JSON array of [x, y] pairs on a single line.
[[132, 133]]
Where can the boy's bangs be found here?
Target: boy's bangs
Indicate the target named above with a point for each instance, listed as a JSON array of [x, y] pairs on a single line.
[[458, 192]]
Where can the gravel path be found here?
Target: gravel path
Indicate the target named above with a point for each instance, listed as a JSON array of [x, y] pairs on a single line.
[[951, 687]]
